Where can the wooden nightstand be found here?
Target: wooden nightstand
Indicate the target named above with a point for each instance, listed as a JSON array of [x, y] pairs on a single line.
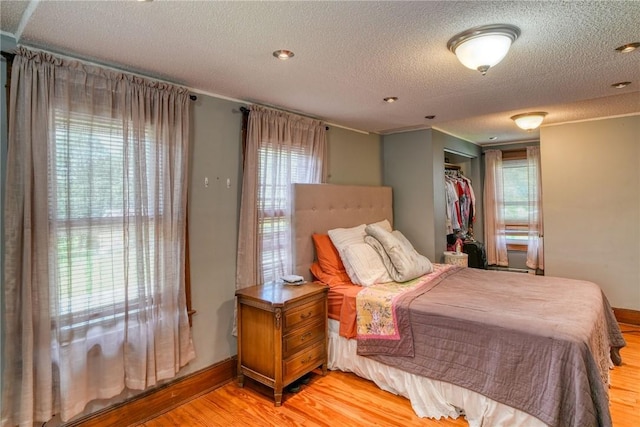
[[282, 333]]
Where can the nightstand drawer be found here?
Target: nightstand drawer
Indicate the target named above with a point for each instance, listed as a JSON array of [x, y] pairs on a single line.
[[302, 337], [304, 361], [304, 314]]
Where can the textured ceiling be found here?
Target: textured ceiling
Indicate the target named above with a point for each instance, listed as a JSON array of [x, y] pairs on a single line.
[[350, 55]]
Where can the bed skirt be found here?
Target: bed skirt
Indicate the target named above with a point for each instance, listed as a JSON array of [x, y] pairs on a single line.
[[429, 398]]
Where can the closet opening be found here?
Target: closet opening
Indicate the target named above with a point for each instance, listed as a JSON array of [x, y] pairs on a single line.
[[462, 207]]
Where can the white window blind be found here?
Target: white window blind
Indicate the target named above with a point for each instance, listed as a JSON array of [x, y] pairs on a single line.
[[278, 169], [516, 200], [103, 206]]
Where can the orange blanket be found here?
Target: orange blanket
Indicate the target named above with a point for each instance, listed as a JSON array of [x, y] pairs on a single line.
[[342, 299], [342, 307]]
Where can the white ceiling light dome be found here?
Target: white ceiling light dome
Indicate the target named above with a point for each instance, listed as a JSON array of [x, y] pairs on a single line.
[[529, 121], [481, 48]]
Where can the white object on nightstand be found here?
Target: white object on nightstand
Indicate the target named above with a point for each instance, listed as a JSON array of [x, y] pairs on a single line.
[[454, 258]]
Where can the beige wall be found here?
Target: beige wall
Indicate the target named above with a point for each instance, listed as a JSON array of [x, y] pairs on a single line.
[[354, 158], [591, 198]]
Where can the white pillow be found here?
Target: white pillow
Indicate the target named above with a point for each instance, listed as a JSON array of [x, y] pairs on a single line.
[[398, 255], [384, 224], [342, 238], [365, 265]]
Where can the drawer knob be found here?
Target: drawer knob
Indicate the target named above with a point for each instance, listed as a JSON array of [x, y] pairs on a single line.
[[305, 360], [305, 336], [305, 315]]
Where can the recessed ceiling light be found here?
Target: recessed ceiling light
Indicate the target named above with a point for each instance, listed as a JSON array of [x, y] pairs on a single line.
[[620, 85], [430, 117], [629, 47], [283, 54], [493, 138], [390, 99]]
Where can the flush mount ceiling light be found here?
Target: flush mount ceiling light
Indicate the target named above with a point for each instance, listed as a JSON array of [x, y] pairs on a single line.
[[283, 54], [629, 47], [390, 99], [621, 85], [529, 121], [483, 47]]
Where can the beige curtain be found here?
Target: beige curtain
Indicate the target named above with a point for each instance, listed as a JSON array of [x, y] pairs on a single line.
[[282, 149], [95, 229], [494, 227], [535, 243]]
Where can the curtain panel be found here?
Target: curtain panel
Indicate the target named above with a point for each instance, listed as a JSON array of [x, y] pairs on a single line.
[[95, 236], [281, 149], [494, 226], [535, 242]]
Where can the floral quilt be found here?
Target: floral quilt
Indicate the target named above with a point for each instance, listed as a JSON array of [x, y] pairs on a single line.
[[379, 311]]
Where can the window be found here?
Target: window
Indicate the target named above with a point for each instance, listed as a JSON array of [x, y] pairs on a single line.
[[280, 149], [96, 210], [95, 254], [516, 199], [513, 206], [278, 169]]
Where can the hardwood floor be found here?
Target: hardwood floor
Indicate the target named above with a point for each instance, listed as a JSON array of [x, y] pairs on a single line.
[[342, 399], [624, 394]]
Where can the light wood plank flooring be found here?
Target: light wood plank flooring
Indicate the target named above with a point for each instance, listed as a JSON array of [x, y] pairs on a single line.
[[342, 399]]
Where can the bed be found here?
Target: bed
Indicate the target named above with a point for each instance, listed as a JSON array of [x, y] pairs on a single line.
[[492, 346]]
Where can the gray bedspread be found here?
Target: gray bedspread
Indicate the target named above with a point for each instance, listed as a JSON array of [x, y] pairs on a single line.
[[538, 344]]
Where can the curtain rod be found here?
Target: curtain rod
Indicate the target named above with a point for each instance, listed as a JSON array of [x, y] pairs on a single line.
[[192, 96], [245, 110], [276, 108], [507, 150], [10, 55]]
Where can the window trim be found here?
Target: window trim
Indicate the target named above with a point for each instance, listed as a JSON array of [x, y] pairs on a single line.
[[187, 270], [518, 247], [515, 154]]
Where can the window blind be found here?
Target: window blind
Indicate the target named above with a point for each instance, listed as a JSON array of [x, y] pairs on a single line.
[[516, 200], [103, 206], [278, 169]]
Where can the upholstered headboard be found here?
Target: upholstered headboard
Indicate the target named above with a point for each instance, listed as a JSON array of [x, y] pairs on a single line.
[[318, 208]]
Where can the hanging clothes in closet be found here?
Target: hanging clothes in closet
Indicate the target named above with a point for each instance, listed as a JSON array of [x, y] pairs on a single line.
[[461, 204]]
